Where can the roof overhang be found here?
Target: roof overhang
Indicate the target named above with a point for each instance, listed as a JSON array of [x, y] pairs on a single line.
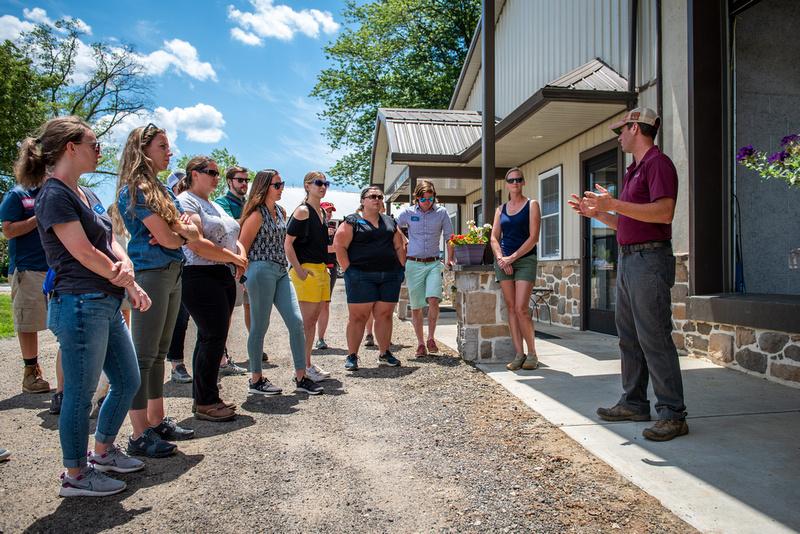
[[549, 118]]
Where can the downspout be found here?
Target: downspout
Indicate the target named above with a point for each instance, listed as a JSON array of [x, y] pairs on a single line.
[[659, 88], [632, 48], [488, 137]]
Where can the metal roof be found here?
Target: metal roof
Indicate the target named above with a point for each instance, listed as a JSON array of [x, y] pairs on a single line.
[[430, 131], [594, 75]]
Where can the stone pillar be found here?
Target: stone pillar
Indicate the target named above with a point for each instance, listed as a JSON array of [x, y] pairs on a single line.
[[483, 333]]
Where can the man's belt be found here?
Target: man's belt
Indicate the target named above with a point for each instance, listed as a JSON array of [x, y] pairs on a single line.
[[422, 260], [649, 245]]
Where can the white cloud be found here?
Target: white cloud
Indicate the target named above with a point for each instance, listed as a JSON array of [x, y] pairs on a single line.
[[182, 56], [246, 37], [259, 91], [200, 123], [268, 20], [37, 15], [11, 27], [80, 25], [306, 141]]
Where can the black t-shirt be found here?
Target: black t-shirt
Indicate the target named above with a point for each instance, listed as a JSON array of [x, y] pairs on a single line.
[[57, 204], [311, 237], [372, 249]]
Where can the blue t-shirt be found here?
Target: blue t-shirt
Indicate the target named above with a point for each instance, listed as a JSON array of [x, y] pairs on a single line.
[[25, 252], [140, 251]]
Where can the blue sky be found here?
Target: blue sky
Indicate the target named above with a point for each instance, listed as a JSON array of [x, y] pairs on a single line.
[[234, 73]]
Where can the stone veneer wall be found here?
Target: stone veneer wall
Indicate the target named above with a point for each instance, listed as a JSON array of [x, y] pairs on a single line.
[[483, 333], [774, 355], [564, 278]]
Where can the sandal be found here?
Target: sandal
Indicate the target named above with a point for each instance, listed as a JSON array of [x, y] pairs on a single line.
[[215, 412]]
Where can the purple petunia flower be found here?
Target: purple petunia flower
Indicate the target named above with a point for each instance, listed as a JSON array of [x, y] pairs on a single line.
[[790, 139], [745, 152], [778, 157]]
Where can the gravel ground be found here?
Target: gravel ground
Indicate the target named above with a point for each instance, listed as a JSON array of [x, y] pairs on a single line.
[[432, 446]]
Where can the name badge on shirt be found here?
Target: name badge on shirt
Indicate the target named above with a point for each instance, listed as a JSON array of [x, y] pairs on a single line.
[[415, 218], [99, 209], [27, 203]]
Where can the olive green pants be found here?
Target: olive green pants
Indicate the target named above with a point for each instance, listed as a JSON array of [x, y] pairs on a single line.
[[152, 330]]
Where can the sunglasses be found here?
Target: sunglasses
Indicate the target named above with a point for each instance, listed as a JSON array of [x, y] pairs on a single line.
[[320, 183], [278, 185], [423, 199], [210, 172], [241, 180], [374, 197], [94, 144], [515, 180]]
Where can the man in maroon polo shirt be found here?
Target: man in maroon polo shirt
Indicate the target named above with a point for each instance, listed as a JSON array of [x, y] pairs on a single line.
[[642, 217]]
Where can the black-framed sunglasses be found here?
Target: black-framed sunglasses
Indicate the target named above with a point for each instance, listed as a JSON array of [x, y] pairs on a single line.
[[515, 180], [374, 197], [210, 172], [320, 183], [278, 185], [150, 126], [241, 180]]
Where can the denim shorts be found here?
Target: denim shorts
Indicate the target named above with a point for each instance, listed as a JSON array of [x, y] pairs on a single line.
[[367, 286]]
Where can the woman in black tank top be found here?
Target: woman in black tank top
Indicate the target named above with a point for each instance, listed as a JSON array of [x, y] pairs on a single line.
[[370, 249], [307, 251]]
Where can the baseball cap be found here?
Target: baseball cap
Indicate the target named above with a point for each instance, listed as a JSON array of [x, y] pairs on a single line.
[[643, 115], [174, 178], [326, 205]]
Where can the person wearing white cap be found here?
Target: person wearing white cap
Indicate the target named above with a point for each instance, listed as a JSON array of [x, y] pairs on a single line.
[[642, 217]]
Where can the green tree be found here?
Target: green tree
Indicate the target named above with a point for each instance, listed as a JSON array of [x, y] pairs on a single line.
[[21, 106], [40, 80], [393, 53], [224, 160]]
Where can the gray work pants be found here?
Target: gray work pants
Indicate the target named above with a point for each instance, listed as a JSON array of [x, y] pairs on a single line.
[[644, 325]]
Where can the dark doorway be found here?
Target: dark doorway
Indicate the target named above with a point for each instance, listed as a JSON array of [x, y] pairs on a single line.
[[599, 281]]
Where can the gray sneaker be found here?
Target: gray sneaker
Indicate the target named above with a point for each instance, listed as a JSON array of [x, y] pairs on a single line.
[[115, 460], [180, 375], [5, 454], [231, 368], [321, 345], [89, 483], [370, 341]]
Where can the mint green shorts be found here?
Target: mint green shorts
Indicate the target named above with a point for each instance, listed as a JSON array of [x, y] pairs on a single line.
[[424, 280], [524, 269]]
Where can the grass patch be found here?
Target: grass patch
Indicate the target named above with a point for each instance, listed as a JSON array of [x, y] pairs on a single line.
[[6, 317]]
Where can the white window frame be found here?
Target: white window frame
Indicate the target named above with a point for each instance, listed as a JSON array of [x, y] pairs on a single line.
[[556, 171]]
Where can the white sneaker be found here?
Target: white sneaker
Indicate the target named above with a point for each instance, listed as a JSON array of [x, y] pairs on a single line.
[[316, 374]]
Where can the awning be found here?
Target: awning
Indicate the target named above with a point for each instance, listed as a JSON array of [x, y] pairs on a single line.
[[559, 111]]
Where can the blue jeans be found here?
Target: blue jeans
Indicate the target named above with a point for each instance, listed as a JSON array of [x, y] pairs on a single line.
[[267, 284], [93, 337]]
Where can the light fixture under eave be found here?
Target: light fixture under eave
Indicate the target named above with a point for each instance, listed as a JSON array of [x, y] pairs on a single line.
[[537, 137]]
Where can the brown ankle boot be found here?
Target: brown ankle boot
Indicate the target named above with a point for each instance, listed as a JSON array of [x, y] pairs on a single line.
[[32, 381]]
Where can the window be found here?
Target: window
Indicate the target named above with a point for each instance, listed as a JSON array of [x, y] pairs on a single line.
[[477, 213], [550, 201]]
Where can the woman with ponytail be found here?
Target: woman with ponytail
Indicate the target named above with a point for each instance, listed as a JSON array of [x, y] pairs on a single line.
[[158, 229], [92, 274]]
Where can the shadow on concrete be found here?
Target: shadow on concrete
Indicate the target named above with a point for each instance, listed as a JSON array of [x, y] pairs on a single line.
[[437, 359], [744, 431], [330, 352]]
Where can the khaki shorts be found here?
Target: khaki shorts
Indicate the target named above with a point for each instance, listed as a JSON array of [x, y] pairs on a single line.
[[28, 301]]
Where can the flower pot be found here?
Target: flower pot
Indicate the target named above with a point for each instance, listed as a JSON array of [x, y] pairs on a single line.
[[469, 254]]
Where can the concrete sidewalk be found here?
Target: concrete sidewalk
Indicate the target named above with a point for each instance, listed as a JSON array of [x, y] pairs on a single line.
[[738, 470]]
